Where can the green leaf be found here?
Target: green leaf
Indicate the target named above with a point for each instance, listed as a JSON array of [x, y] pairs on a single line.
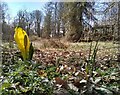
[[25, 41], [25, 45], [104, 91], [24, 89], [5, 85], [31, 51]]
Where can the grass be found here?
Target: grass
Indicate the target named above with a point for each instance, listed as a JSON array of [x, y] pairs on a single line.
[[86, 46], [105, 48]]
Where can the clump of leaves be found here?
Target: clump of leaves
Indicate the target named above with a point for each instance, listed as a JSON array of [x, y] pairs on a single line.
[[24, 79]]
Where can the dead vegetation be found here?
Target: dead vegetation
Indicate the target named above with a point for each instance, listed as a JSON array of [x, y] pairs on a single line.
[[49, 43]]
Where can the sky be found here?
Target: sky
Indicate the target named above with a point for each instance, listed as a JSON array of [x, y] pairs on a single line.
[[14, 7], [29, 5]]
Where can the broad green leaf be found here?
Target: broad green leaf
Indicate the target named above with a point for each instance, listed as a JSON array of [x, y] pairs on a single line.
[[31, 51]]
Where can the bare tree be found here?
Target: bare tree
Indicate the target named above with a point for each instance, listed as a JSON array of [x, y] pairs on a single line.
[[37, 15], [20, 19], [29, 21], [4, 14], [48, 20]]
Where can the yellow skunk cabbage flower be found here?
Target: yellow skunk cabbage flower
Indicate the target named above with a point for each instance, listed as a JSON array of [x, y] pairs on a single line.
[[22, 41]]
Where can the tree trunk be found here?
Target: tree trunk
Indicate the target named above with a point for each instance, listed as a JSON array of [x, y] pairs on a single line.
[[38, 30]]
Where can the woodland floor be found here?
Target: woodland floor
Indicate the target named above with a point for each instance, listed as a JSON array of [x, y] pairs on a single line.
[[70, 70]]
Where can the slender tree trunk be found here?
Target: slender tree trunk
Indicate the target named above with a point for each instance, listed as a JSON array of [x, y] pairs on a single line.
[[38, 29], [119, 21], [118, 56], [28, 29], [58, 29]]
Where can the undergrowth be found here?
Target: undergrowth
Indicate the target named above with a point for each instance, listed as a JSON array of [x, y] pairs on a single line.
[[64, 72]]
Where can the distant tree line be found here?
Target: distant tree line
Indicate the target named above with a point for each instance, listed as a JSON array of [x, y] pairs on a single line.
[[60, 19]]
